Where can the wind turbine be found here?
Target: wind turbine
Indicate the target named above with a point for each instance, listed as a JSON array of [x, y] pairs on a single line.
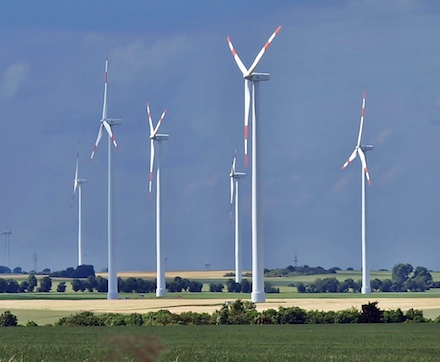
[[107, 123], [77, 185], [251, 86], [235, 177], [157, 137], [360, 150], [7, 235]]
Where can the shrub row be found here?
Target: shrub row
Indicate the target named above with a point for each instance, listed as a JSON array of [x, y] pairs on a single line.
[[237, 312]]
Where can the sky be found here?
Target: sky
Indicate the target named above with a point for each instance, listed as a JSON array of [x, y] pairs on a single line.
[[174, 55]]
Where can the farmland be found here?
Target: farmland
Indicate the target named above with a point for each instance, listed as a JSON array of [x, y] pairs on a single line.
[[49, 307], [372, 342], [391, 342]]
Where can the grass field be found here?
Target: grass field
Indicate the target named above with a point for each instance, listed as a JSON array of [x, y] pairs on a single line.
[[392, 342]]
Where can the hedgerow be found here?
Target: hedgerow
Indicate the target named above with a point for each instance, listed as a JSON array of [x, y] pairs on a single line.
[[235, 313]]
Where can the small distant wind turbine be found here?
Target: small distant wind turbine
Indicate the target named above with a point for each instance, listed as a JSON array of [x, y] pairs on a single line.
[[360, 150], [235, 177], [77, 185], [107, 123], [251, 85], [7, 235], [157, 137]]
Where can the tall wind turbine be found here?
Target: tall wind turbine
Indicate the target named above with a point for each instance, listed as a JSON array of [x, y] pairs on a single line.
[[360, 150], [251, 86], [157, 137], [77, 185], [107, 123], [235, 177]]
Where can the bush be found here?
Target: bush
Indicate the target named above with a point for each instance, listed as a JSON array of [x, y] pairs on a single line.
[[85, 319], [7, 319], [160, 318], [414, 316], [292, 315], [268, 316], [393, 316], [347, 316]]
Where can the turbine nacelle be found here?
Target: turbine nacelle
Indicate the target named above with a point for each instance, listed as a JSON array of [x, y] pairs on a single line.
[[112, 121], [160, 137], [366, 148], [237, 174], [258, 77]]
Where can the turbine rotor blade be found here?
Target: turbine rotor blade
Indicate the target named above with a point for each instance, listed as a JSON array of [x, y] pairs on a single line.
[[159, 122], [104, 106], [232, 190], [75, 180], [98, 139], [108, 128], [150, 120], [364, 99], [351, 158], [364, 165], [262, 51], [150, 182], [237, 58]]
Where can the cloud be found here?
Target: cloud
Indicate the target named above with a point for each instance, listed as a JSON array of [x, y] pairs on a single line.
[[13, 78], [384, 135], [139, 58]]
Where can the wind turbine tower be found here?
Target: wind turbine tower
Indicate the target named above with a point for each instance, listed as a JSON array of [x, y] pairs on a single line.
[[156, 137], [361, 150], [107, 124], [77, 185], [7, 235], [251, 89], [235, 178]]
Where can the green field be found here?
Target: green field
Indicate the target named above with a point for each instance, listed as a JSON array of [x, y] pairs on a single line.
[[371, 342]]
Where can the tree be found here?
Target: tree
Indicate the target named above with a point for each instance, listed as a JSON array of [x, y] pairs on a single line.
[[7, 319], [61, 288], [246, 286], [78, 285], [3, 284], [83, 271], [195, 286], [4, 270], [376, 284], [11, 286], [17, 270], [91, 283], [400, 273], [23, 287], [386, 285], [217, 288], [370, 313], [45, 285], [301, 288], [101, 284], [32, 280]]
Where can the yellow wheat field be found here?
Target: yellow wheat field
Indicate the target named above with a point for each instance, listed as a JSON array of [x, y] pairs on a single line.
[[210, 305]]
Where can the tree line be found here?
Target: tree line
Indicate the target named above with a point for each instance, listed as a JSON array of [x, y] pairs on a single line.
[[404, 278], [237, 312]]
